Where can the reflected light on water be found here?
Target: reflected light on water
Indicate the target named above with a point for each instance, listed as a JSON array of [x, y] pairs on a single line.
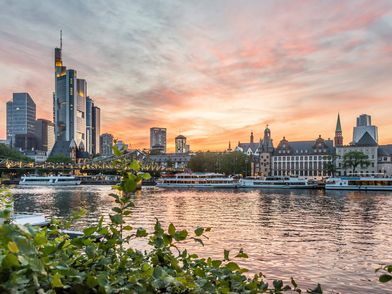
[[335, 238]]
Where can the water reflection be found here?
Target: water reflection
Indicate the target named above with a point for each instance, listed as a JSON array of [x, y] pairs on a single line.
[[336, 238]]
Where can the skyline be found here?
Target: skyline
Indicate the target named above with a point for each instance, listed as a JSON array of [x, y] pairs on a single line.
[[215, 71]]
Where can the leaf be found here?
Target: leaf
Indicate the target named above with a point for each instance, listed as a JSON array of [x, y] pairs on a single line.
[[116, 209], [129, 186], [316, 290], [199, 231], [242, 254], [180, 235], [141, 232], [91, 281], [145, 176], [10, 261], [216, 263], [116, 219], [40, 239], [293, 283], [56, 281], [199, 241], [226, 254], [278, 284], [385, 278], [135, 165], [89, 231], [232, 266], [12, 247], [127, 228], [172, 230]]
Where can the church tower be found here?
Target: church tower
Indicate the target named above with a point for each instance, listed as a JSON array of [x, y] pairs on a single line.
[[338, 133], [251, 137]]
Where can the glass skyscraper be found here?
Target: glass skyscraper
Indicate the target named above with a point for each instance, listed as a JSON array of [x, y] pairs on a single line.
[[96, 129], [69, 104], [158, 139], [21, 113]]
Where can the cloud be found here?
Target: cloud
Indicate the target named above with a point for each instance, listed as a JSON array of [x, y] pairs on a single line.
[[212, 70]]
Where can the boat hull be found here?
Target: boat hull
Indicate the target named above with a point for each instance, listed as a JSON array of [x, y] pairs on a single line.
[[198, 186], [359, 188], [73, 183], [280, 186]]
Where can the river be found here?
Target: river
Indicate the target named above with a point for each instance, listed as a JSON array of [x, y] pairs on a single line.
[[335, 238]]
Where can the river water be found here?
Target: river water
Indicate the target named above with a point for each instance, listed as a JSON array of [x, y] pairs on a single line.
[[334, 238]]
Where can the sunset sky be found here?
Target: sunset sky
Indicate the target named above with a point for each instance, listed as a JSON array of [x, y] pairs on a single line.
[[212, 70]]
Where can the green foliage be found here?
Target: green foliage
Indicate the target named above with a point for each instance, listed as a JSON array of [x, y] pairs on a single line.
[[11, 154], [227, 163], [330, 166], [59, 158], [353, 159], [386, 275], [46, 260]]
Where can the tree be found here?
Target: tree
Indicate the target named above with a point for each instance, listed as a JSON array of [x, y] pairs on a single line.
[[11, 154], [353, 159], [227, 163], [59, 158], [330, 166]]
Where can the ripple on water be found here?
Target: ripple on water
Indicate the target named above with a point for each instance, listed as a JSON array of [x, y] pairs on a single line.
[[335, 238]]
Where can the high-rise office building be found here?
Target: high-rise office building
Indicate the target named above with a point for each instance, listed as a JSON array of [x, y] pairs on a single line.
[[158, 140], [89, 125], [96, 129], [106, 141], [69, 103], [21, 112], [364, 125], [44, 132], [181, 146]]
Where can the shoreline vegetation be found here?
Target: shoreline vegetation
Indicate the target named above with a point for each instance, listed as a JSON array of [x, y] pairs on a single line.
[[46, 260]]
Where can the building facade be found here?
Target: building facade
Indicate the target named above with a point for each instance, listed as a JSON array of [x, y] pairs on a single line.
[[96, 130], [44, 131], [158, 140], [302, 158], [260, 153], [364, 125], [170, 160], [69, 105], [368, 146], [74, 116], [89, 125], [21, 113], [106, 141], [181, 146]]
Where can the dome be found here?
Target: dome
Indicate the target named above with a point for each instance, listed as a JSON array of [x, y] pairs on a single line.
[[180, 137]]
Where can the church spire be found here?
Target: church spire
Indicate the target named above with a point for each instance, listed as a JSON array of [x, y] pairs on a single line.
[[338, 133], [251, 137], [338, 126]]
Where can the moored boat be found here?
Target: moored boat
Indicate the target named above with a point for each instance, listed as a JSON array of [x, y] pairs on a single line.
[[49, 181], [278, 182], [359, 183], [197, 180]]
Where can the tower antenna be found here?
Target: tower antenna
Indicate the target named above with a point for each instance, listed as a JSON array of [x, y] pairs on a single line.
[[61, 39]]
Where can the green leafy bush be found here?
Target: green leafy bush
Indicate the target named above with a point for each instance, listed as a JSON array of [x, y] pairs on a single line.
[[12, 154], [59, 158], [47, 260]]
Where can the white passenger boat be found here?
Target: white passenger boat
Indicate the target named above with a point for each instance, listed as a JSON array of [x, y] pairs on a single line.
[[197, 180], [277, 182], [359, 183], [49, 181]]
